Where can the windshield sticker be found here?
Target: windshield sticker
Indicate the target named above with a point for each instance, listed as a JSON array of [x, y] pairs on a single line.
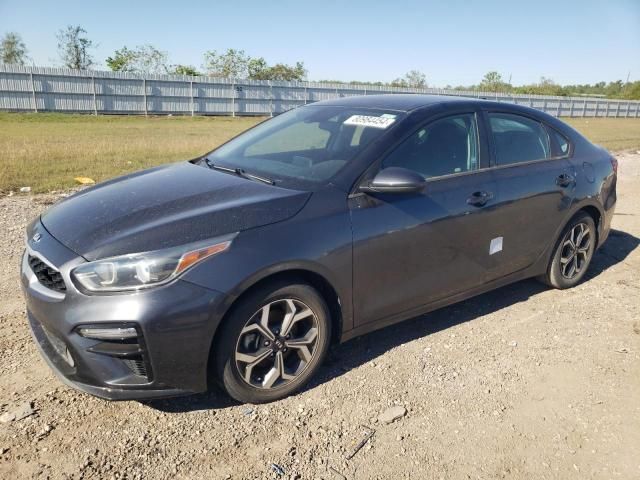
[[387, 115], [367, 121]]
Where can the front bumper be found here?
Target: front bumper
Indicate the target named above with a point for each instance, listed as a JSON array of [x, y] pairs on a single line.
[[175, 322]]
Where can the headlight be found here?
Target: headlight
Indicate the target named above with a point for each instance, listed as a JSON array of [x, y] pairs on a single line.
[[144, 270]]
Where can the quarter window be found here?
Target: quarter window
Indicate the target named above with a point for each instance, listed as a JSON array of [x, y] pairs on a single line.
[[518, 139], [561, 142], [444, 147]]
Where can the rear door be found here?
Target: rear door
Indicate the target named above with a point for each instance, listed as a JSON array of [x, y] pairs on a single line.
[[535, 186]]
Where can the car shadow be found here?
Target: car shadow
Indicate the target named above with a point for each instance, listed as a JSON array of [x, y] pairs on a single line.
[[366, 348]]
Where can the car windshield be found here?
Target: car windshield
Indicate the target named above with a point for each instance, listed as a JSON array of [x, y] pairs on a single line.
[[305, 146]]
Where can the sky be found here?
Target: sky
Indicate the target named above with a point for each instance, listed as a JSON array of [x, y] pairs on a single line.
[[453, 42]]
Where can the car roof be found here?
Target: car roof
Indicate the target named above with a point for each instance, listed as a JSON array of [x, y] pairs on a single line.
[[407, 102], [403, 102]]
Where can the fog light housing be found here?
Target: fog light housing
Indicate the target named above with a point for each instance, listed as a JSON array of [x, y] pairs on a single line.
[[108, 333]]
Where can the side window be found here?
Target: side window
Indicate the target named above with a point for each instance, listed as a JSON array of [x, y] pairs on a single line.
[[443, 147], [561, 143], [294, 138], [518, 139]]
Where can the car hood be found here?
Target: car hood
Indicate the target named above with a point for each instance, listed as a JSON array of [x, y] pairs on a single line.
[[165, 207]]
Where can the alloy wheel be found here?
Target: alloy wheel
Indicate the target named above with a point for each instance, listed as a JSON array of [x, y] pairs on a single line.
[[277, 344], [575, 250]]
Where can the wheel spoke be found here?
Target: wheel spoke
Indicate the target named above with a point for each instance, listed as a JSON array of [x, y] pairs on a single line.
[[294, 316], [258, 327], [572, 237], [567, 259], [585, 247], [264, 320], [302, 345], [307, 340], [584, 233], [275, 373], [287, 322], [251, 361]]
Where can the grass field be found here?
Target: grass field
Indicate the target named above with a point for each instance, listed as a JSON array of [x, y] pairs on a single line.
[[46, 151]]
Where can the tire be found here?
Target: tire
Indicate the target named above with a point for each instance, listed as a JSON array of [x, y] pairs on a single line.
[[569, 262], [255, 361]]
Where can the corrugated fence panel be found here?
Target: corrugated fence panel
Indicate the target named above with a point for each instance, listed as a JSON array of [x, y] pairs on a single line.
[[113, 86], [60, 89], [15, 82]]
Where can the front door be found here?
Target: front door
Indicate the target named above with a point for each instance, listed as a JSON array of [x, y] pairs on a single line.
[[412, 249]]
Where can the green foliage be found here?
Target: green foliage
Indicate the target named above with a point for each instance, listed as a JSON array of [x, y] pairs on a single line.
[[121, 60], [492, 82], [141, 59], [259, 70], [412, 79], [230, 64], [74, 47], [237, 64], [185, 70], [12, 49]]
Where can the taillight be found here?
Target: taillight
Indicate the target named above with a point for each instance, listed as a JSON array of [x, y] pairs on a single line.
[[614, 164]]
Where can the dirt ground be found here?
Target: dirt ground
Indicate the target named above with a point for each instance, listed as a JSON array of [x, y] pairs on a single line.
[[524, 382]]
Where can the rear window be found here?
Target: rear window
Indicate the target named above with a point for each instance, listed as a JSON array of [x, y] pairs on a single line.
[[518, 139]]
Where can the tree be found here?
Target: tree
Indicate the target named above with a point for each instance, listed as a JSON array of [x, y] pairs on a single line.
[[12, 49], [74, 46], [258, 69], [237, 64], [141, 59], [411, 79], [230, 64], [281, 71], [416, 79], [122, 60], [492, 82], [548, 87], [185, 70]]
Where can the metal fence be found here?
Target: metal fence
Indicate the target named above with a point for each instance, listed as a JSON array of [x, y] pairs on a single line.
[[41, 89]]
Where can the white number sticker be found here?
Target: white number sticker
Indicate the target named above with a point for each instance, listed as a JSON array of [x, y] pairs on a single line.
[[495, 246], [367, 121]]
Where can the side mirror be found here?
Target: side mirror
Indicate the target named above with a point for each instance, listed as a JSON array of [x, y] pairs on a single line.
[[395, 180]]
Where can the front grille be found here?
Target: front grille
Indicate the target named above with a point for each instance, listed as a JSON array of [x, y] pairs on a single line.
[[137, 366], [46, 275]]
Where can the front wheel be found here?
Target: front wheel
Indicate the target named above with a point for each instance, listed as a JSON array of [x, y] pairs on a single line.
[[573, 253], [273, 343]]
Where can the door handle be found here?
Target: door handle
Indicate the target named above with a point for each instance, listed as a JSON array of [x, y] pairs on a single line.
[[565, 180], [479, 199]]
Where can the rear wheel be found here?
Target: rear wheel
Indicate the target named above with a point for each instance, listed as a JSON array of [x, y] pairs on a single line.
[[573, 253], [273, 343]]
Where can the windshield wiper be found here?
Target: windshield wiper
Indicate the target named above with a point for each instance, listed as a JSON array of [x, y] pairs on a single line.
[[240, 172]]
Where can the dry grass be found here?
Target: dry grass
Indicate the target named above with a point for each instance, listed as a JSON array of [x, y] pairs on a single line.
[[46, 151], [612, 133]]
